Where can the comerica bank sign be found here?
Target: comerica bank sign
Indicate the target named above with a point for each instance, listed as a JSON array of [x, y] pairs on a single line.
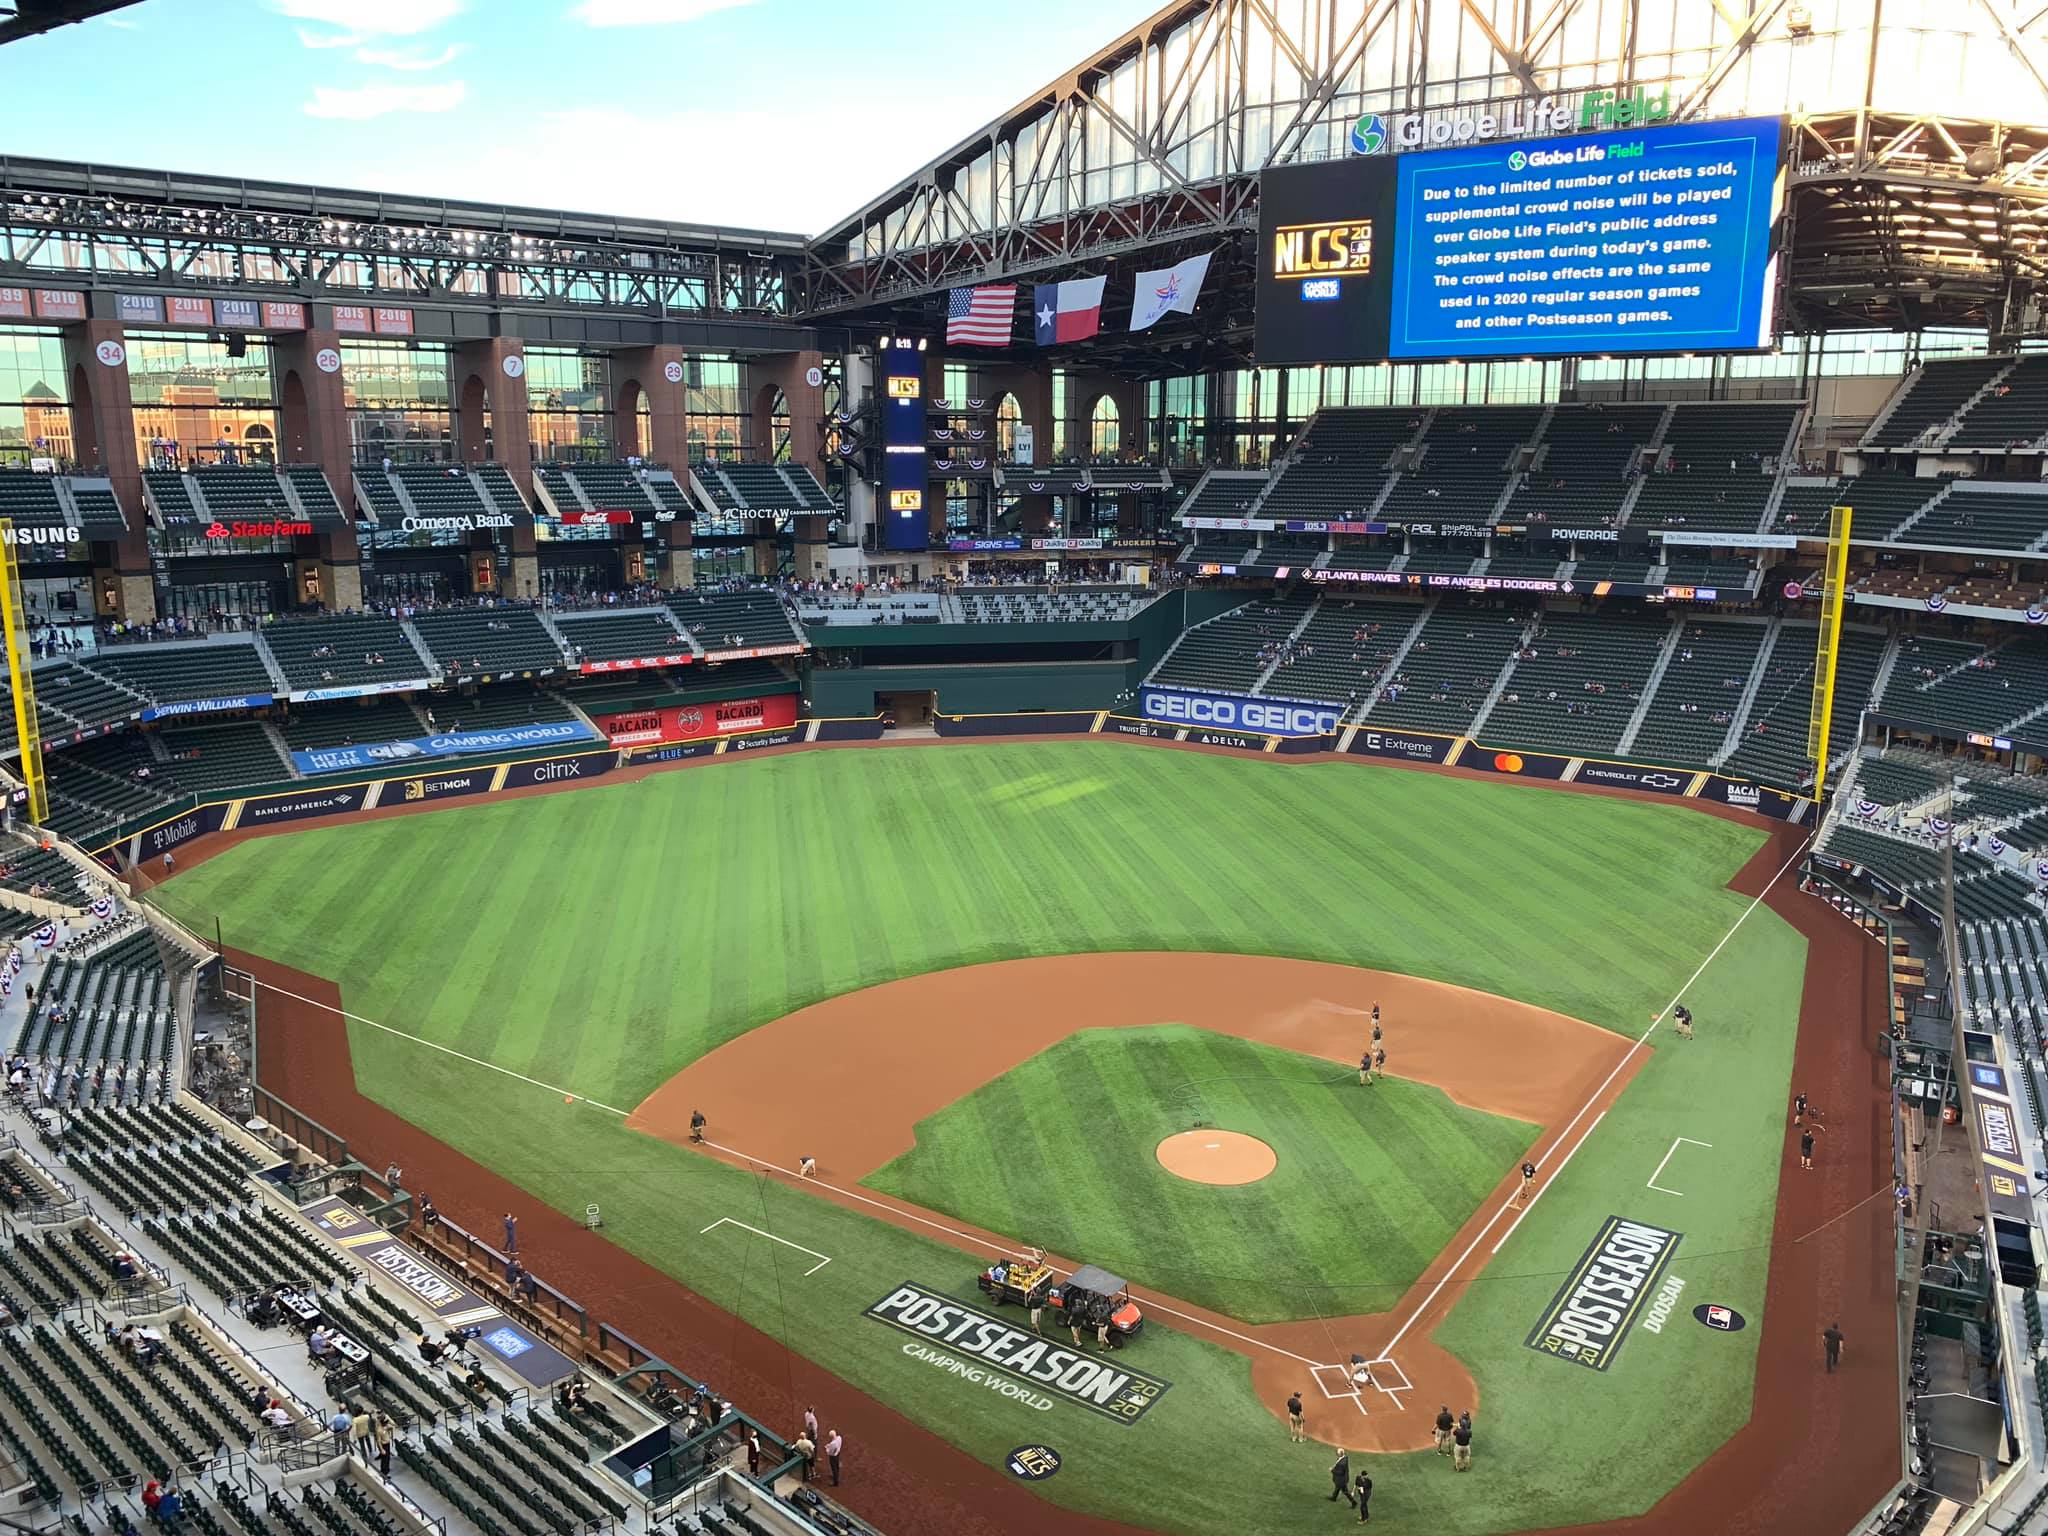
[[1515, 118]]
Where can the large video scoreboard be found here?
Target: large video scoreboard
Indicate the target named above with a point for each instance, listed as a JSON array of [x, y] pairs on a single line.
[[1653, 239]]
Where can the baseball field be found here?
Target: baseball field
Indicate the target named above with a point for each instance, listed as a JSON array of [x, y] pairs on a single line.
[[981, 984]]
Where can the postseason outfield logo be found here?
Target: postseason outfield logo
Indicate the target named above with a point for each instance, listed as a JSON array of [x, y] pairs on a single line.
[[977, 1340], [1590, 1315]]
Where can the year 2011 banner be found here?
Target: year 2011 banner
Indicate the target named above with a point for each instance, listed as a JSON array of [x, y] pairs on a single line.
[[1648, 239]]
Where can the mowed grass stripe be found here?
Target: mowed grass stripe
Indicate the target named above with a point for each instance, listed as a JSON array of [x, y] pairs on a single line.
[[1062, 1152], [744, 890]]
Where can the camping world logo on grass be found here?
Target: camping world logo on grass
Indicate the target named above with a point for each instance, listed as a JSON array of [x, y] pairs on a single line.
[[1368, 135], [987, 1352], [1604, 1294]]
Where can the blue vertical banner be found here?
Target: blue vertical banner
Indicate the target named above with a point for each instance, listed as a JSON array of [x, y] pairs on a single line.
[[905, 471]]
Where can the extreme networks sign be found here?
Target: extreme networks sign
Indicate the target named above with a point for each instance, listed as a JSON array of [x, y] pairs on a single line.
[[512, 739], [1514, 118], [1229, 711], [977, 1346], [1615, 1277]]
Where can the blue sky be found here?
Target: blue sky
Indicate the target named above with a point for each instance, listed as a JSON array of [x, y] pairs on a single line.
[[775, 114]]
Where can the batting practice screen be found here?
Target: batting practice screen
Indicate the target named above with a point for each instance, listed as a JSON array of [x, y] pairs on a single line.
[[1652, 239]]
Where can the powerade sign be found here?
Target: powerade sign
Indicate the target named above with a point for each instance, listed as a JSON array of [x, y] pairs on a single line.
[[213, 706], [1606, 1291], [385, 753], [1229, 711], [1014, 1362]]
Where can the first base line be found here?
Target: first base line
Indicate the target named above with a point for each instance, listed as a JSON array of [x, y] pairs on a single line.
[[727, 1221]]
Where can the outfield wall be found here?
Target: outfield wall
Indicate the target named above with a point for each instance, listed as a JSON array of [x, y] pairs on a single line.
[[149, 839]]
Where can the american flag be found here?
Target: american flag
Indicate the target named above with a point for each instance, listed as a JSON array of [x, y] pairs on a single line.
[[980, 317]]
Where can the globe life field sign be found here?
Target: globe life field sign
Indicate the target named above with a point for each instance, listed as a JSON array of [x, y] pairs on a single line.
[[1650, 238]]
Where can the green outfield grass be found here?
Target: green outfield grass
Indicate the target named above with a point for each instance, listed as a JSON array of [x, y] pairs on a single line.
[[1370, 1184], [601, 939]]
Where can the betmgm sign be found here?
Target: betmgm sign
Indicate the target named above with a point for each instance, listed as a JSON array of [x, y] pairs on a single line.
[[1606, 1291], [1014, 1362]]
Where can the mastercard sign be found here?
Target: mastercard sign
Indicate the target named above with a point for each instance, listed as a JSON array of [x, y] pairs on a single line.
[[1506, 762]]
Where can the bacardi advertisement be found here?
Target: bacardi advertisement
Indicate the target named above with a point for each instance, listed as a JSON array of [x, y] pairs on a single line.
[[695, 722]]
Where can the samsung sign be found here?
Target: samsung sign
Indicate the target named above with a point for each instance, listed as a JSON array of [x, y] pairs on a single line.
[[1268, 717]]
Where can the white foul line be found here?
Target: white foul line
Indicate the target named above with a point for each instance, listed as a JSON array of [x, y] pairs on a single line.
[[906, 1214], [1540, 1193], [1686, 1140], [1634, 1046], [431, 1045], [727, 1221]]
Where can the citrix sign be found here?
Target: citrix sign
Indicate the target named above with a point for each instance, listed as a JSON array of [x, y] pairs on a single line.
[[1267, 717]]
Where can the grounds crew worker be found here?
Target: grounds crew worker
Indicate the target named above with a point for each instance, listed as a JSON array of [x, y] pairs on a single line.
[[1037, 1306], [1295, 1431], [1365, 1069], [1528, 1183], [1444, 1424], [1461, 1444]]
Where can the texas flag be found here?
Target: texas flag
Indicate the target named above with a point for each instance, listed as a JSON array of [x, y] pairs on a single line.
[[1070, 311]]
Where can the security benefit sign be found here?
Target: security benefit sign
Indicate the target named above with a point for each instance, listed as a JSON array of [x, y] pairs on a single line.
[[1012, 1362], [1605, 1293]]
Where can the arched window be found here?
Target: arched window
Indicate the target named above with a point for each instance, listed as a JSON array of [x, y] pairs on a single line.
[[1105, 430], [1009, 417]]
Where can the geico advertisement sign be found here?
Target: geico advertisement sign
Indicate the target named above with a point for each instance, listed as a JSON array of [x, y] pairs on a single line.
[[1269, 717]]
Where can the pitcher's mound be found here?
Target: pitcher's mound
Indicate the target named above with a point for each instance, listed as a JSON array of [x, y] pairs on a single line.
[[1217, 1157]]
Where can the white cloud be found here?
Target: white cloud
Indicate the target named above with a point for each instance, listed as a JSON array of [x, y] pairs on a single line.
[[411, 63], [122, 24], [385, 18], [327, 39], [649, 13], [368, 101]]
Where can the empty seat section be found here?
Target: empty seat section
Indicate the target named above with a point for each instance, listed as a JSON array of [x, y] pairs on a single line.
[[1721, 458], [1699, 693], [1580, 688], [1468, 457], [1581, 475]]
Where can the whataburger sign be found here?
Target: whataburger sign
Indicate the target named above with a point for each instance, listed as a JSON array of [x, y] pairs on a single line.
[[1014, 1362]]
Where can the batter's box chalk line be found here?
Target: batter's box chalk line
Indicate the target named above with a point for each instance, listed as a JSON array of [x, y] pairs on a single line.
[[1339, 1383], [727, 1221]]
